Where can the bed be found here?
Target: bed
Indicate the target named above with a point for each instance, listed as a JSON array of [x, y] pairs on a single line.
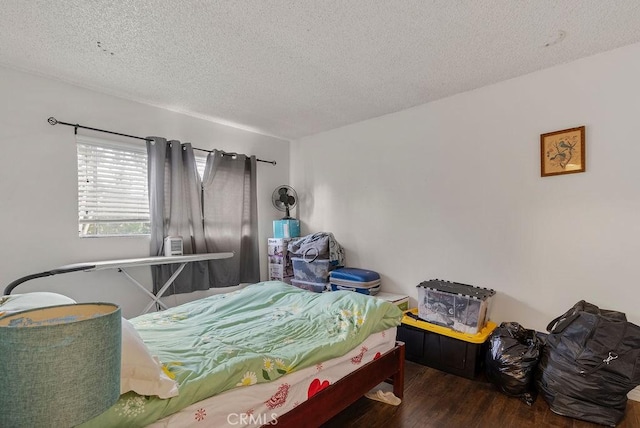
[[264, 353]]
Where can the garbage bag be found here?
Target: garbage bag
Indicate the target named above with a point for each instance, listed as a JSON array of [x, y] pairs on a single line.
[[514, 353], [591, 360]]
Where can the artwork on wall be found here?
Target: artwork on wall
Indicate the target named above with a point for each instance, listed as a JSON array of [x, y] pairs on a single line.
[[562, 152]]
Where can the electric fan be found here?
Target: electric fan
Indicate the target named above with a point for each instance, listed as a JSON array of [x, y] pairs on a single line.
[[284, 198]]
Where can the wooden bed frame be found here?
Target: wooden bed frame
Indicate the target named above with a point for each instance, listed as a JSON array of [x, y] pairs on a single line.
[[332, 400]]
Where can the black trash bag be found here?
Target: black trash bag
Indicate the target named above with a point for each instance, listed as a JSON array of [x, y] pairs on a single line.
[[590, 362], [510, 363]]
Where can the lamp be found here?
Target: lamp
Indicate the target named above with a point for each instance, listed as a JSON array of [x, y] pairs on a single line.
[[59, 365]]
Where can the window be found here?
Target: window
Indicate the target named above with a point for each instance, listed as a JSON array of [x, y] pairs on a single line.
[[201, 162], [112, 188], [113, 197]]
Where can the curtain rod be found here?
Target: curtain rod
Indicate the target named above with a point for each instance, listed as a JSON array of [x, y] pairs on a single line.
[[53, 121]]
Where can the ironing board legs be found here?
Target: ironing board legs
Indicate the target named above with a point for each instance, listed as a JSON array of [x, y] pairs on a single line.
[[155, 298], [163, 289]]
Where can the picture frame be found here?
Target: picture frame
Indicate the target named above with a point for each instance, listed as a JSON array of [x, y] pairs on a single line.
[[562, 152]]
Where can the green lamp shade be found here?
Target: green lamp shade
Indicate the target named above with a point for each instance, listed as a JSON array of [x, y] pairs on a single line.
[[59, 365]]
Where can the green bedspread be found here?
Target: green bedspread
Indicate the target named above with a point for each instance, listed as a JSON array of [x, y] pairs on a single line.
[[254, 335]]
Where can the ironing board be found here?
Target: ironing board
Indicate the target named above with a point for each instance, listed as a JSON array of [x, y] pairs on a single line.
[[123, 264]]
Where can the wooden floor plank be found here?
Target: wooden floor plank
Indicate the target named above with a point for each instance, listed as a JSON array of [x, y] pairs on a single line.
[[435, 399]]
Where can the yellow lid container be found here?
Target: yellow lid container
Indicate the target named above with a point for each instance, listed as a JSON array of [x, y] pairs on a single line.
[[479, 337]]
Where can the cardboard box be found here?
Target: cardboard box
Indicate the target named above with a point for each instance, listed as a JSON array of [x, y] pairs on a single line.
[[289, 228], [280, 271], [280, 266], [278, 246]]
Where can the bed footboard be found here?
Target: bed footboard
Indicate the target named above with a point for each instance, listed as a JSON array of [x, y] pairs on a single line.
[[337, 397]]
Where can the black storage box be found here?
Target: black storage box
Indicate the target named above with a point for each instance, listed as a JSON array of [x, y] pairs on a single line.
[[444, 349]]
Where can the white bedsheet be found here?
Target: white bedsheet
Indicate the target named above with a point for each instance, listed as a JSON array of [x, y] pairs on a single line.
[[261, 404]]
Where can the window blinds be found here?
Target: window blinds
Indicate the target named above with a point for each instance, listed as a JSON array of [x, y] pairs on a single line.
[[112, 188]]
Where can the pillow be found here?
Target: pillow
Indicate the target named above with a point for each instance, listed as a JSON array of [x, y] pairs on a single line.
[[39, 299], [140, 371]]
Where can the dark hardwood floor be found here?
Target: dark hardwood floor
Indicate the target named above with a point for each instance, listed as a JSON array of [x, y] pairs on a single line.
[[435, 399]]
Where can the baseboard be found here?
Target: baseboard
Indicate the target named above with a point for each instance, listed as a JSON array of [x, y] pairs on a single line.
[[634, 394]]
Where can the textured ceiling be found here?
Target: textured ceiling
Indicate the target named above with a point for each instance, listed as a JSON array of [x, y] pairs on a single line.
[[298, 67]]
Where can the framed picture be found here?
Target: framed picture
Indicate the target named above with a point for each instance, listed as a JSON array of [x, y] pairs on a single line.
[[562, 152]]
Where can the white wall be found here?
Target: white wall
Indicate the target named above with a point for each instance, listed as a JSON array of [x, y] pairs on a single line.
[[38, 183], [452, 190]]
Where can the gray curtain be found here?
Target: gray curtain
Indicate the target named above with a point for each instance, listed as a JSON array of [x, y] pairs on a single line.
[[176, 210], [231, 217]]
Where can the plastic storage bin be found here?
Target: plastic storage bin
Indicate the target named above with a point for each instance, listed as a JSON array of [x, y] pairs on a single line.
[[317, 287], [458, 306], [461, 354], [311, 271], [353, 279]]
